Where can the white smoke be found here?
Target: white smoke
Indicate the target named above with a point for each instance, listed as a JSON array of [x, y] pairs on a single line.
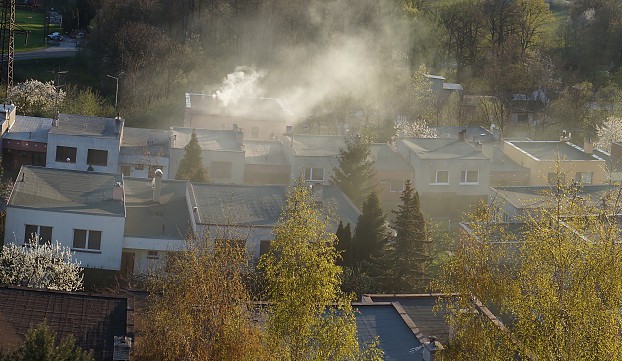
[[242, 83]]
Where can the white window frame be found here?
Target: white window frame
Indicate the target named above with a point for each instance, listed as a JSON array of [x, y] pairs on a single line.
[[464, 176], [436, 182], [87, 240], [153, 255], [310, 172]]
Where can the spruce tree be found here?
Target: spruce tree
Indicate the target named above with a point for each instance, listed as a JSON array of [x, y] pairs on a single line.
[[355, 172], [191, 166], [370, 234], [410, 253], [344, 244]]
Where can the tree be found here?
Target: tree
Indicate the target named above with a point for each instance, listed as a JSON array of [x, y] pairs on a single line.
[[309, 318], [344, 244], [410, 253], [355, 172], [47, 266], [370, 234], [609, 132], [200, 308], [36, 98], [40, 345], [555, 286], [191, 166], [86, 102]]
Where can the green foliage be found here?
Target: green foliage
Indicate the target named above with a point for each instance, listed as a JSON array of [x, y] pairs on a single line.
[[355, 172], [410, 253], [344, 244], [370, 234], [558, 284], [191, 166], [86, 101], [309, 317], [40, 345]]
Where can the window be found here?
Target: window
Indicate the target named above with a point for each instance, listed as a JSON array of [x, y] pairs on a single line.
[[255, 132], [314, 174], [469, 177], [139, 166], [97, 157], [153, 255], [396, 185], [89, 240], [552, 178], [220, 170], [43, 232], [441, 177], [584, 177], [66, 154], [126, 170]]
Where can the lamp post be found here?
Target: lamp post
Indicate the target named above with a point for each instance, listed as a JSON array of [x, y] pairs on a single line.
[[116, 94]]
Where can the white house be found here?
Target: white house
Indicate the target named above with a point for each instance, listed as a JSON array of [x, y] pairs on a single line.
[[143, 151]]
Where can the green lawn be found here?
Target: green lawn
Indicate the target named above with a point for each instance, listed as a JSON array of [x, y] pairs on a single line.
[[32, 21]]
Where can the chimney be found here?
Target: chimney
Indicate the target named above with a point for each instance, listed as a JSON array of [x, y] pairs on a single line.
[[462, 135], [117, 125], [431, 348], [588, 146], [157, 185], [289, 132], [239, 135], [235, 127], [117, 192], [565, 136]]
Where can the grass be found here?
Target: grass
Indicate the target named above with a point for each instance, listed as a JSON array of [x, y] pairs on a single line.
[[33, 21], [78, 69]]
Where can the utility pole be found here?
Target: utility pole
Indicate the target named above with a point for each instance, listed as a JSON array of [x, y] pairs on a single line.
[[116, 94]]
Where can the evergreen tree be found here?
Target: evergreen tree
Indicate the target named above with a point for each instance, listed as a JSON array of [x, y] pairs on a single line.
[[355, 172], [370, 234], [410, 253], [191, 166], [344, 244]]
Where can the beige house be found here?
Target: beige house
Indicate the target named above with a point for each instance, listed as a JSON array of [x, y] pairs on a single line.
[[546, 159]]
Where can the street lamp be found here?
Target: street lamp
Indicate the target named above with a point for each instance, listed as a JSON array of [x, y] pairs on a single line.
[[116, 94]]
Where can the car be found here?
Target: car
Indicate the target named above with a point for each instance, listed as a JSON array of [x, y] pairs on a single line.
[[55, 36]]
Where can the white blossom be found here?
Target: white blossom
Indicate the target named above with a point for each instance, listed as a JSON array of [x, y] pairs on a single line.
[[417, 129], [34, 97], [609, 132], [47, 266]]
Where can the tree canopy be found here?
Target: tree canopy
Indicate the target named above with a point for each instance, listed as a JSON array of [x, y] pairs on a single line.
[[355, 172], [191, 166]]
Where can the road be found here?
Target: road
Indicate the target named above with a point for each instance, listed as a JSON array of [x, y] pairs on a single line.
[[66, 48]]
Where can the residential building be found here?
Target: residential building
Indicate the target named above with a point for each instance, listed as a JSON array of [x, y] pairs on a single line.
[[549, 160], [25, 143], [313, 157], [450, 175], [84, 143], [392, 171], [7, 116], [260, 118], [222, 152], [143, 151], [265, 163], [94, 320]]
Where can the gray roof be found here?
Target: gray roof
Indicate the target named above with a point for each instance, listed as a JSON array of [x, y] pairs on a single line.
[[269, 109], [386, 159], [264, 152], [168, 219], [316, 145], [500, 162], [383, 321], [145, 142], [550, 150], [81, 125], [244, 205], [473, 133], [29, 128], [439, 148], [452, 86], [222, 140], [543, 196], [430, 76], [60, 190]]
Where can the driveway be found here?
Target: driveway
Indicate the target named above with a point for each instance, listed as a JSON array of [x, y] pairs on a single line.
[[65, 48]]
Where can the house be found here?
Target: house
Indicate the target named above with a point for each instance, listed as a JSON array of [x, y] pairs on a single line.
[[7, 116], [143, 151], [260, 118], [79, 209], [265, 163], [94, 320], [312, 156], [222, 152], [25, 143], [84, 143], [450, 175], [548, 160], [392, 171]]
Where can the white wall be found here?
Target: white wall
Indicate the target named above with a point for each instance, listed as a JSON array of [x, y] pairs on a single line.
[[131, 160], [63, 224], [83, 144]]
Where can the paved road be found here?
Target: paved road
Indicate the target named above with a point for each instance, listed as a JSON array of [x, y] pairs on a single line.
[[66, 48]]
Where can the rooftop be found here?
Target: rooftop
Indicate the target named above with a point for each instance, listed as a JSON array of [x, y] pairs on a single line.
[[269, 109], [93, 320], [543, 196], [474, 134], [442, 148], [29, 128], [500, 162], [386, 159], [63, 190], [81, 125], [222, 140], [264, 152], [452, 86], [144, 142], [315, 145], [168, 219], [551, 150], [219, 204]]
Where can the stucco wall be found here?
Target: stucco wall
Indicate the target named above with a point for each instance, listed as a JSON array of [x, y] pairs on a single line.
[[83, 144], [63, 224]]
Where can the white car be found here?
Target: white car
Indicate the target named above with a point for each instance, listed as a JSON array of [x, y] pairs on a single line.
[[55, 36]]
